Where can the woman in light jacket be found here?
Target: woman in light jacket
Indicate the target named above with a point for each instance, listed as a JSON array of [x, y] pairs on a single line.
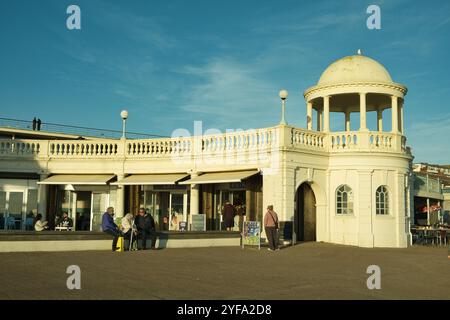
[[40, 225], [127, 227]]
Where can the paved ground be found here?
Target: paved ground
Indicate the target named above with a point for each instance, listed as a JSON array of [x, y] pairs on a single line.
[[305, 271]]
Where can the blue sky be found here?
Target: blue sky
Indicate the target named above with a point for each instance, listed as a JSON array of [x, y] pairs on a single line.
[[222, 62]]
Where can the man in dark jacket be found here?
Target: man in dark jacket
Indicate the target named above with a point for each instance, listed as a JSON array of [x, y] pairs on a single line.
[[145, 226], [109, 227]]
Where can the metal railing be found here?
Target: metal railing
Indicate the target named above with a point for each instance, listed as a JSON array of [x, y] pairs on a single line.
[[73, 130]]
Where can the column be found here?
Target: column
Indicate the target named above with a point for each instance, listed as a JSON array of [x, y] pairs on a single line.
[[347, 120], [401, 122], [74, 209], [362, 112], [120, 198], [394, 114], [195, 196], [309, 115], [319, 119], [326, 113], [380, 120], [428, 211], [42, 197]]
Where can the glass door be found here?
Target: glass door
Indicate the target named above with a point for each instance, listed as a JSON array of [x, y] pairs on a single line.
[[177, 210], [100, 202], [15, 211]]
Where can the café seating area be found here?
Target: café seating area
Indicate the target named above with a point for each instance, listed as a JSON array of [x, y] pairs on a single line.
[[437, 235]]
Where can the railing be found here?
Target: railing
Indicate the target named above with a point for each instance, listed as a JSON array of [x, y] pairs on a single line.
[[307, 138], [72, 130], [248, 143], [426, 183], [83, 148], [26, 148]]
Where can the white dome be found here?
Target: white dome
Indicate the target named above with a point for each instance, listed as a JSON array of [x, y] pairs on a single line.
[[355, 69]]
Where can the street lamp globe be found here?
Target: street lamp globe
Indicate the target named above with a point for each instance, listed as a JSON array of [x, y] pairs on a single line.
[[283, 94], [124, 114]]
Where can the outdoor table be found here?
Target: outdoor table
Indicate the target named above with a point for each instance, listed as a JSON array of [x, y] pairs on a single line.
[[63, 228]]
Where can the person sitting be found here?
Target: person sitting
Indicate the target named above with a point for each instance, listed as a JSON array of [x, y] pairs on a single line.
[[66, 221], [128, 228], [40, 225], [146, 227], [109, 227]]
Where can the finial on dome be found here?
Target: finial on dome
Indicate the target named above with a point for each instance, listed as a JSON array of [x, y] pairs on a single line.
[[359, 52]]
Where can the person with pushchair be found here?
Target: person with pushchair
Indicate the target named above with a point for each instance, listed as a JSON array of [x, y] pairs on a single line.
[[146, 227]]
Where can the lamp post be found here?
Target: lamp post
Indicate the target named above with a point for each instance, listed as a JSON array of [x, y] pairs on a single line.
[[124, 115], [283, 95]]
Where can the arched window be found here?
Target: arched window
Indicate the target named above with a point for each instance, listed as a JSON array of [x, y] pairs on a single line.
[[344, 200], [382, 200]]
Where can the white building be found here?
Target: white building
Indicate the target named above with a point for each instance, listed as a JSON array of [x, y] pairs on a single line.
[[349, 187]]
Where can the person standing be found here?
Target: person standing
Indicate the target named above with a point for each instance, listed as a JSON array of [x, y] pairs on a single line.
[[38, 127], [228, 216], [34, 123], [271, 228], [109, 227], [145, 226]]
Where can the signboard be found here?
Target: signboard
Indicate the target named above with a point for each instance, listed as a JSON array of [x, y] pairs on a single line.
[[198, 222], [251, 234], [183, 226]]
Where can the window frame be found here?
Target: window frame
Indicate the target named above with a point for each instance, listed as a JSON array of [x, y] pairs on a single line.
[[344, 206], [384, 210]]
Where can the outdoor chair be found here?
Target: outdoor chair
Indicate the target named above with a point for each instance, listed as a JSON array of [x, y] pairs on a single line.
[[429, 236], [11, 223], [29, 223]]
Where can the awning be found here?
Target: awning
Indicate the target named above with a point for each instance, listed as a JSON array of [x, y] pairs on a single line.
[[76, 179], [221, 177], [151, 179]]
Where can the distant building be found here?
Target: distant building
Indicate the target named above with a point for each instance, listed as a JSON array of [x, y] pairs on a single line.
[[431, 193]]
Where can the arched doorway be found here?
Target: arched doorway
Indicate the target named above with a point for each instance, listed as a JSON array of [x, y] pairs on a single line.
[[305, 213]]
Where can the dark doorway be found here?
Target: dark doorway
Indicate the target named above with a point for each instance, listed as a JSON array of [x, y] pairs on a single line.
[[305, 214]]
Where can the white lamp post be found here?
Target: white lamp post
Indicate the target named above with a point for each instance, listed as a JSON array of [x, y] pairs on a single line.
[[283, 95], [124, 115]]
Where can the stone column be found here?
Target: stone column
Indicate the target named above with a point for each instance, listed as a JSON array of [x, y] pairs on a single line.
[[362, 112], [309, 118], [42, 197], [120, 198], [394, 114], [74, 209], [326, 113], [380, 120], [319, 119], [401, 122], [347, 120], [195, 196]]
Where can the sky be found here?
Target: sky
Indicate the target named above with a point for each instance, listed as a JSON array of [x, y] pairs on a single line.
[[170, 63]]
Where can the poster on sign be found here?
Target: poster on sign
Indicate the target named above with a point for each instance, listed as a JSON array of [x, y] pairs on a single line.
[[251, 234]]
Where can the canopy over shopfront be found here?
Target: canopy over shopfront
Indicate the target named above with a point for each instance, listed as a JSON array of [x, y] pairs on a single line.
[[221, 177], [151, 179], [78, 179]]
